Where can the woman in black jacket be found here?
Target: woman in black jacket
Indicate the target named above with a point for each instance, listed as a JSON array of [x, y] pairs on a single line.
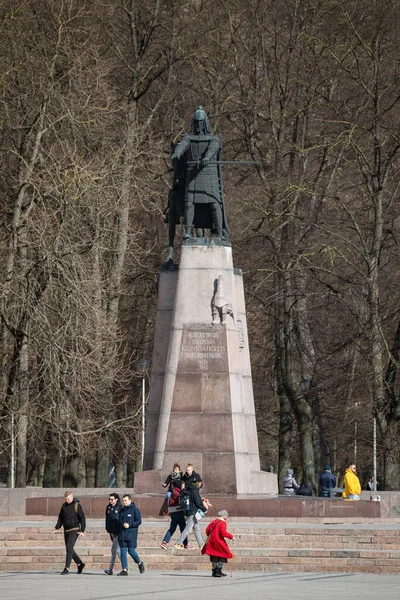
[[73, 520], [192, 515]]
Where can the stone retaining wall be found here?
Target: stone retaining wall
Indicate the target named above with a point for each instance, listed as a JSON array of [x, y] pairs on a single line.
[[13, 502]]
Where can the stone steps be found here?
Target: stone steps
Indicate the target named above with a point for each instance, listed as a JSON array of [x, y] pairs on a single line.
[[257, 548]]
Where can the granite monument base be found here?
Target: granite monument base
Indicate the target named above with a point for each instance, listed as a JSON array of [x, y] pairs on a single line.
[[201, 406]]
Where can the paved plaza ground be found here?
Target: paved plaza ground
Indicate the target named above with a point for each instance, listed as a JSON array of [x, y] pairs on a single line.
[[170, 585]]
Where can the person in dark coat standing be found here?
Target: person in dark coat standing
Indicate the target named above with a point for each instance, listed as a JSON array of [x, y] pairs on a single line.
[[192, 515], [216, 546], [73, 520], [112, 527], [129, 521], [327, 481]]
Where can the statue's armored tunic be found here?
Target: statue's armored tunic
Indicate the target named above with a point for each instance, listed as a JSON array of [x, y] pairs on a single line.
[[202, 181]]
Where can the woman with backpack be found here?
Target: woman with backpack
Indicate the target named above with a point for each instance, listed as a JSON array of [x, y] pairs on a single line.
[[190, 500], [177, 515]]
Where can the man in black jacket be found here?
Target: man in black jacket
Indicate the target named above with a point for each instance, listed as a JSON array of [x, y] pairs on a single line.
[[112, 527], [73, 520]]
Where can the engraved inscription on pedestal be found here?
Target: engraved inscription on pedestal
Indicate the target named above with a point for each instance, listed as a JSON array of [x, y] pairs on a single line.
[[203, 350]]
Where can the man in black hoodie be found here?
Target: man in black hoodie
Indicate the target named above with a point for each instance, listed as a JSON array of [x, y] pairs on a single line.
[[73, 520], [112, 527]]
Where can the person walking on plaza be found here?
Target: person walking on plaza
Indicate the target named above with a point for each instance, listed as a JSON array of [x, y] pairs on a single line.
[[129, 521], [290, 485], [194, 503], [177, 516], [216, 546], [327, 481], [112, 527], [73, 520], [352, 487]]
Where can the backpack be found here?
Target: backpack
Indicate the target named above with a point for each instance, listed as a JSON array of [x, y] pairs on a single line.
[[184, 500], [175, 496], [305, 490]]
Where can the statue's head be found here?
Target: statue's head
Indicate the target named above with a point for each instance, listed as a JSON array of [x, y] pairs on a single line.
[[201, 124]]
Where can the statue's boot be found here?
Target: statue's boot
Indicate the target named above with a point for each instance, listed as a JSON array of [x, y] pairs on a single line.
[[188, 233]]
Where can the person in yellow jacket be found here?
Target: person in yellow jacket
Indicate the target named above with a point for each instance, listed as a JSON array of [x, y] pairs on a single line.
[[352, 487]]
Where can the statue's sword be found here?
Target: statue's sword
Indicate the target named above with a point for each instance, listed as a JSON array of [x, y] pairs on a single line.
[[223, 162]]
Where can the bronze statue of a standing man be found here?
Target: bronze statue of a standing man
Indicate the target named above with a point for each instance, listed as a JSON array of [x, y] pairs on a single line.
[[201, 152]]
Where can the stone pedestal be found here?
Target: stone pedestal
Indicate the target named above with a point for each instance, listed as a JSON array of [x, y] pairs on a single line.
[[201, 406]]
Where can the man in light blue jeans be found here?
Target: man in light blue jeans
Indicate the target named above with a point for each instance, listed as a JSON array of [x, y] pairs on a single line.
[[129, 520]]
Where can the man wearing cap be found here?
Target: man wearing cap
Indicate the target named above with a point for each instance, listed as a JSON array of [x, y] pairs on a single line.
[[327, 481], [216, 546]]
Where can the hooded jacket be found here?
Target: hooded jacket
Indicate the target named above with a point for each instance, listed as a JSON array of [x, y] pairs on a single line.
[[112, 517], [130, 515], [290, 485], [196, 502], [71, 516], [351, 484]]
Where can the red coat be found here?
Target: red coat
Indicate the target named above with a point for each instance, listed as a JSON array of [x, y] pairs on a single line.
[[216, 544]]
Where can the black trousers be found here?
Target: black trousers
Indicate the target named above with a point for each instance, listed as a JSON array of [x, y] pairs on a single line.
[[70, 538]]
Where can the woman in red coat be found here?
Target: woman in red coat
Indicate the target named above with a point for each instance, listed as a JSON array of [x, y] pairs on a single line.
[[216, 546]]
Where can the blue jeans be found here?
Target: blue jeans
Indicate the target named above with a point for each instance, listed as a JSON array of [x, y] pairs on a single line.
[[177, 518], [132, 553]]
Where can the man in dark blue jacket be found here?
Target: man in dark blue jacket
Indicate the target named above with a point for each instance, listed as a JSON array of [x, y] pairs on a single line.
[[327, 481], [129, 521], [112, 527]]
